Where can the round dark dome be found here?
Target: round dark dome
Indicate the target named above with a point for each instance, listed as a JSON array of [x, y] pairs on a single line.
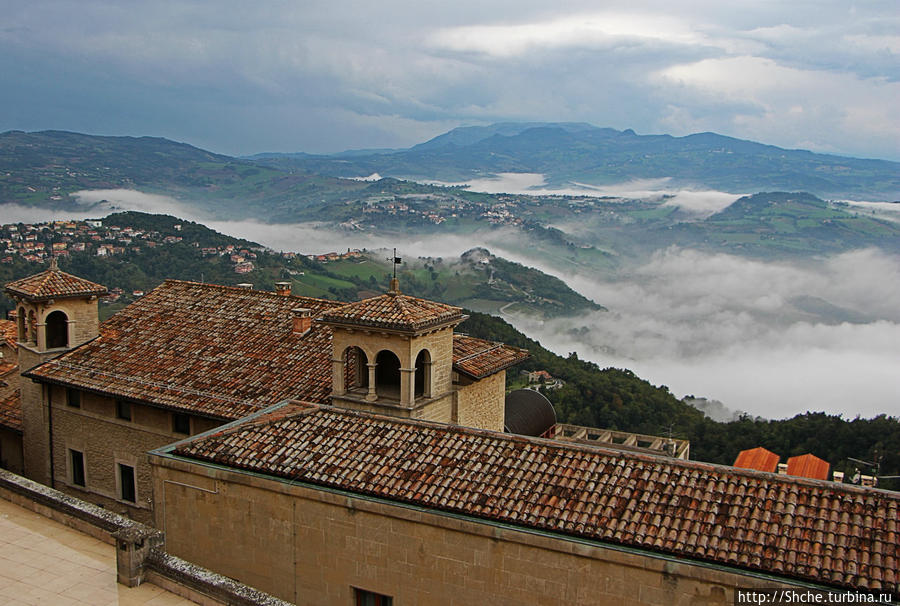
[[528, 413]]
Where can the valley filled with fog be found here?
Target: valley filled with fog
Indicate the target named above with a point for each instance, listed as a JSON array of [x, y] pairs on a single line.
[[772, 338]]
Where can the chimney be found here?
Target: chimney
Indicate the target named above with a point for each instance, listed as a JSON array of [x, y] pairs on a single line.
[[302, 320], [782, 468], [283, 288], [247, 285], [838, 476]]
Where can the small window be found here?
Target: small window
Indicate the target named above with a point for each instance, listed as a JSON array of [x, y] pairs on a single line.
[[126, 483], [77, 459], [123, 410], [73, 398], [181, 423], [370, 598]]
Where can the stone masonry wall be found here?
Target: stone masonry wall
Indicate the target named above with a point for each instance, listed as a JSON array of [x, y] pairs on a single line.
[[35, 426], [106, 441], [312, 546], [482, 403], [11, 450]]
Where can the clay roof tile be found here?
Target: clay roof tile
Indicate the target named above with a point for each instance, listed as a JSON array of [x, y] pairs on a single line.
[[571, 489], [53, 283]]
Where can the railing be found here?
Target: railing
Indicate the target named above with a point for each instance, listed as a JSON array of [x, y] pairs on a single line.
[[673, 447]]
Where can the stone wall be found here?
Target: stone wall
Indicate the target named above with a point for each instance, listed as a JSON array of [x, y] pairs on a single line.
[[35, 420], [82, 326], [482, 403], [314, 546], [107, 441], [11, 450]]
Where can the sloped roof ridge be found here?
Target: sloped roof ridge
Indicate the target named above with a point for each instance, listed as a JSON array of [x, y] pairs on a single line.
[[290, 409], [239, 289], [558, 445]]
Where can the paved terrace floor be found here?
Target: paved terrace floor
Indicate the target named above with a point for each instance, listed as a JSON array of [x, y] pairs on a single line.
[[44, 562]]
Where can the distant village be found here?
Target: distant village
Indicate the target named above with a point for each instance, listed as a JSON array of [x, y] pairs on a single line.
[[436, 209], [37, 242]]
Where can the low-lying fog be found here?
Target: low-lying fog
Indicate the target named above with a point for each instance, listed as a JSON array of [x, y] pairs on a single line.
[[535, 184], [770, 338]]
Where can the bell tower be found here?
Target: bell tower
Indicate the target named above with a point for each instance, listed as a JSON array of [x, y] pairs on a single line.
[[55, 312], [393, 354]]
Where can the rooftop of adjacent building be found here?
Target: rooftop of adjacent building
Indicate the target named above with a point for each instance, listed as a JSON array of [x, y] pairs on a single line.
[[10, 405], [8, 333], [816, 531], [53, 283], [395, 311], [805, 466], [227, 352], [43, 562]]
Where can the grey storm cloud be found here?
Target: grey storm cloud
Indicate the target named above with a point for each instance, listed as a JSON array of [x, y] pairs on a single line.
[[316, 76]]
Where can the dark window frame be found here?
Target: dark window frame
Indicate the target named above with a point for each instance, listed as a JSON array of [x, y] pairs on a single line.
[[127, 490], [181, 423], [364, 597], [76, 458], [123, 410]]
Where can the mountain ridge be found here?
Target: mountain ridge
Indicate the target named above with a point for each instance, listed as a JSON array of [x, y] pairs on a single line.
[[567, 153]]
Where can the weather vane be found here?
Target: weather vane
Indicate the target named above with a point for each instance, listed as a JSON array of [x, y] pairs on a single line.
[[395, 284], [395, 261]]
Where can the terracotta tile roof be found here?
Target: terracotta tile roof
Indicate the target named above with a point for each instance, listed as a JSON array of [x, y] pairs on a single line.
[[759, 459], [395, 311], [478, 358], [219, 351], [818, 531], [11, 411], [9, 332], [215, 350], [53, 283], [10, 403], [808, 466]]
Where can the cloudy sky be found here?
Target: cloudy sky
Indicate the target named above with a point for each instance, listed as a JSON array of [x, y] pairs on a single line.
[[244, 77]]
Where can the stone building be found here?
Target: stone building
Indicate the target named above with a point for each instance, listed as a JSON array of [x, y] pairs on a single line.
[[188, 357], [320, 505]]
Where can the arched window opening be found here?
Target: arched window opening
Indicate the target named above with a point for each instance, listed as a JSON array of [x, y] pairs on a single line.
[[57, 330], [423, 374], [356, 369], [20, 320], [387, 374]]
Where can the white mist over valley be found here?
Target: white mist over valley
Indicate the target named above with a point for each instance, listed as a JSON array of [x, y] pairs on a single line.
[[770, 338]]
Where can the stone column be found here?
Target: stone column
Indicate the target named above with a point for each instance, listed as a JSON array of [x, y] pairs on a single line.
[[426, 388], [372, 395], [337, 377], [407, 386], [40, 337]]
